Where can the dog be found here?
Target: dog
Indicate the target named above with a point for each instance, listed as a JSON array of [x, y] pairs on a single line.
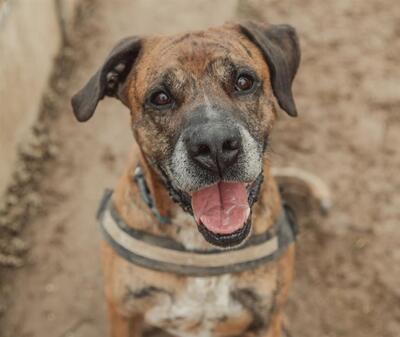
[[202, 107]]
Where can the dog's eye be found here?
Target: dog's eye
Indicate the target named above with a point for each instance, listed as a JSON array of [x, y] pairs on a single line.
[[160, 98], [244, 83]]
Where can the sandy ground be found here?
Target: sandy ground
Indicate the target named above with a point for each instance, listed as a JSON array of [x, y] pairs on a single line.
[[348, 264]]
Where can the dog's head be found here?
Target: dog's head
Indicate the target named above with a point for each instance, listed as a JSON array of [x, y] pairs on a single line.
[[202, 107]]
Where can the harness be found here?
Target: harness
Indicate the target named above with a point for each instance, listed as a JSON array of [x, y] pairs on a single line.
[[167, 255]]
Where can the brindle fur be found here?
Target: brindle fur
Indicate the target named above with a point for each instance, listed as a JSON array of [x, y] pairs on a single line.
[[195, 66]]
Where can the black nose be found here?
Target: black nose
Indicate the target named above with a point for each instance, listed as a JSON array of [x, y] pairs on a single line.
[[214, 147]]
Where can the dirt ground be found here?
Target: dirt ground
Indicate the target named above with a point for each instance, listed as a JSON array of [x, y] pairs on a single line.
[[347, 90]]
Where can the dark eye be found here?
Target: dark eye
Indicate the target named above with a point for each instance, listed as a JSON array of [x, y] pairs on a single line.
[[244, 82], [160, 98]]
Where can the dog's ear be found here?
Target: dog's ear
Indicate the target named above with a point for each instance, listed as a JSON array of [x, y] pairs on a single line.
[[108, 80], [279, 45]]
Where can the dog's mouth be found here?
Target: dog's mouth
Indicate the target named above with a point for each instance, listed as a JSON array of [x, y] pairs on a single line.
[[222, 213]]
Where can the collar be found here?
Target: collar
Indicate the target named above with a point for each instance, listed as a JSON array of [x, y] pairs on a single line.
[[167, 255], [146, 196]]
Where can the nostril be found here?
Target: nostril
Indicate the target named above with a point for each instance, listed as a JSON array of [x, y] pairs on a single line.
[[204, 149], [230, 145], [201, 149]]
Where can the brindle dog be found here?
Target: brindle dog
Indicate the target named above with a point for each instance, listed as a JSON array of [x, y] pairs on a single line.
[[202, 108]]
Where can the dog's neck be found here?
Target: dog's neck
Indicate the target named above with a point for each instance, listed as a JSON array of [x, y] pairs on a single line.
[[136, 213]]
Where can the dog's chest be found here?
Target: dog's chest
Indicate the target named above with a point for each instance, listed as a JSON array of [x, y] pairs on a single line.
[[205, 307]]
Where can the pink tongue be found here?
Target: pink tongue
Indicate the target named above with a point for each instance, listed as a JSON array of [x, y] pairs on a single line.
[[223, 208]]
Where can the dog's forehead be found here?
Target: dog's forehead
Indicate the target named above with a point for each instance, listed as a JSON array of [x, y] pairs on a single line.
[[194, 51]]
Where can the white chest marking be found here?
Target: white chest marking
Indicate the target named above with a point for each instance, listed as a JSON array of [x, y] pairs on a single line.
[[200, 305]]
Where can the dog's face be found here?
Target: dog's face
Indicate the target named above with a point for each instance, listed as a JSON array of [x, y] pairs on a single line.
[[202, 107]]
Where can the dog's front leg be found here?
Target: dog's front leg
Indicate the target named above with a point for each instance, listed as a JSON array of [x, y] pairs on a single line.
[[122, 326]]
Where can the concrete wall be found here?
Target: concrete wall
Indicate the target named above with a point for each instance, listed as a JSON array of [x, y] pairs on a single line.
[[30, 37]]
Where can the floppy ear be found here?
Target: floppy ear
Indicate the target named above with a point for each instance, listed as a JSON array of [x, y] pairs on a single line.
[[108, 80], [280, 47]]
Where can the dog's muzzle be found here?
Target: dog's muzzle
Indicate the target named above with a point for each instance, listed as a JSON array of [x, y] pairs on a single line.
[[213, 165]]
